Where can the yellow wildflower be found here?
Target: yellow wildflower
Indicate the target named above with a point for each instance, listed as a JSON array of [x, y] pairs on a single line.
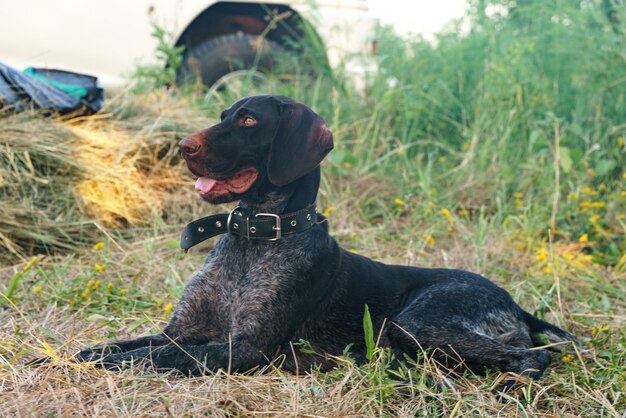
[[445, 212], [600, 328], [567, 358], [36, 290], [582, 261], [353, 251], [586, 204], [589, 191], [429, 239], [168, 307], [85, 293], [109, 286], [91, 283], [98, 245], [594, 219], [463, 212], [583, 238], [518, 195], [620, 141], [123, 290], [542, 254], [569, 256], [620, 217], [623, 193], [328, 211], [399, 201], [99, 267], [549, 268]]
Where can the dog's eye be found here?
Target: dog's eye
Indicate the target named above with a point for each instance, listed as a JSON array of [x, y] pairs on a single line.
[[248, 121]]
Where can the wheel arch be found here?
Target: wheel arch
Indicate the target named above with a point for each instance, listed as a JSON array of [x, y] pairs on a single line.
[[223, 18]]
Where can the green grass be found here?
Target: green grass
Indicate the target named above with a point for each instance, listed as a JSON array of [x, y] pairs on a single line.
[[452, 158]]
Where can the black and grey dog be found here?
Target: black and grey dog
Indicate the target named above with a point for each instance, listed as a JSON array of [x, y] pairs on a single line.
[[277, 277]]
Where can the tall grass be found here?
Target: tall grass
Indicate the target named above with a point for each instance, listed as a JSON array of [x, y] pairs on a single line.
[[506, 82], [531, 100]]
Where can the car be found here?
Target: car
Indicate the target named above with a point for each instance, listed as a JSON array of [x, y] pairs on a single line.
[[110, 39]]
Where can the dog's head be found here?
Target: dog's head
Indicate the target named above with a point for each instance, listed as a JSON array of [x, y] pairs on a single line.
[[262, 143]]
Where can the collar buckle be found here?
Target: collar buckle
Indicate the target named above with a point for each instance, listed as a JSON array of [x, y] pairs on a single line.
[[237, 211], [276, 227]]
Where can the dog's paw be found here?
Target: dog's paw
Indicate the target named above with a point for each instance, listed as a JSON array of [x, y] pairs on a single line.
[[90, 354], [98, 352], [531, 367], [532, 364], [121, 361]]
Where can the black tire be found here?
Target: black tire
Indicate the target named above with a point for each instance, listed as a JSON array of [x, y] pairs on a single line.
[[212, 59]]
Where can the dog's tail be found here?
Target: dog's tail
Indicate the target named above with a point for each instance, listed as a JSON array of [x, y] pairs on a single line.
[[557, 339]]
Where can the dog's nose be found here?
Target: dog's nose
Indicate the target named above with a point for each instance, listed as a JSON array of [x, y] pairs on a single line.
[[189, 146]]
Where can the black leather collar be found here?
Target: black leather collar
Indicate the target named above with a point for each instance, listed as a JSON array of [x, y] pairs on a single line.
[[264, 226]]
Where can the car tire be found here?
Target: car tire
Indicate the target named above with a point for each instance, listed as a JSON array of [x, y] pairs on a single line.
[[212, 59]]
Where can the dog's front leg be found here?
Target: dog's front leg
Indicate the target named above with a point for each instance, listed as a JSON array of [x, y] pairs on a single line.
[[100, 351], [189, 359]]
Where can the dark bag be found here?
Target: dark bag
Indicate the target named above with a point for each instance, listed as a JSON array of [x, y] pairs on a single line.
[[56, 91]]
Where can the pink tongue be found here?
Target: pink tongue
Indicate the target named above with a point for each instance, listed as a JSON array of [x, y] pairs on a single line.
[[205, 184]]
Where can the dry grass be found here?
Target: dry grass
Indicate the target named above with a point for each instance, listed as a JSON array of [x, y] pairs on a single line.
[[77, 390], [37, 168], [58, 321], [124, 182]]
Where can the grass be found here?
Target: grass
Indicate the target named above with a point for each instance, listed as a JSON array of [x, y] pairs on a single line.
[[500, 152]]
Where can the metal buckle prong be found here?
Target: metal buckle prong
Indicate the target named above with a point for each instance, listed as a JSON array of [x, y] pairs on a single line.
[[230, 217], [276, 227]]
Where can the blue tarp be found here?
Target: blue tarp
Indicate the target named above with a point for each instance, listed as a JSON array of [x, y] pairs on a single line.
[[53, 91]]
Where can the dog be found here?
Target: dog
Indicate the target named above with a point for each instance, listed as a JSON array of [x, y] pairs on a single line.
[[277, 278]]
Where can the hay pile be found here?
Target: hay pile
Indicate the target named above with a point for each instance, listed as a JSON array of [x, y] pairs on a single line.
[[58, 179], [37, 203], [123, 181]]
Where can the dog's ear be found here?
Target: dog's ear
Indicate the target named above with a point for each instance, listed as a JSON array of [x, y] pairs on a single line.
[[301, 142]]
